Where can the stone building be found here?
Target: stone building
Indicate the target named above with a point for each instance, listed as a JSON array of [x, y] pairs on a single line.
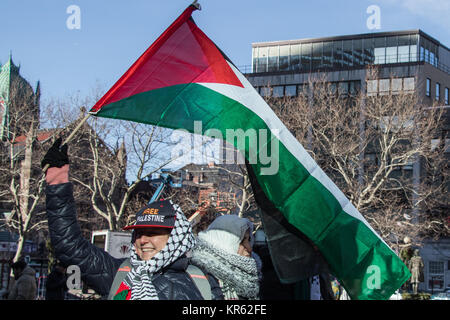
[[19, 102]]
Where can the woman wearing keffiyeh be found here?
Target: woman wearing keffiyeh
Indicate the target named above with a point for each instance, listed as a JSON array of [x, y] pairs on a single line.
[[161, 237], [156, 248]]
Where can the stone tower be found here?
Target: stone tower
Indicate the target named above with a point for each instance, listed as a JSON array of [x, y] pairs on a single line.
[[19, 103]]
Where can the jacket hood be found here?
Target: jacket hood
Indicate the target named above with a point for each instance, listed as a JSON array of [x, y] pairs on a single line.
[[28, 271]]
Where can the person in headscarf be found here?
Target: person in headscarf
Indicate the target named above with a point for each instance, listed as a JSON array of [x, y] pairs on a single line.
[[224, 251], [161, 238]]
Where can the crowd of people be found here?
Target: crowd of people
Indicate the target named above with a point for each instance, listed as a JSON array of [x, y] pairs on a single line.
[[167, 261]]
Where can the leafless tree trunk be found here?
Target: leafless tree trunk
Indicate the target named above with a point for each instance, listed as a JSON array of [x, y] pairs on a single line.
[[240, 180]]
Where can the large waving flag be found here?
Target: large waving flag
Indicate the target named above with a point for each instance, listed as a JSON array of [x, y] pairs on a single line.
[[183, 79]]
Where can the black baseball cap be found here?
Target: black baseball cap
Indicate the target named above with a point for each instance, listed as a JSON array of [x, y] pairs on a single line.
[[159, 214]]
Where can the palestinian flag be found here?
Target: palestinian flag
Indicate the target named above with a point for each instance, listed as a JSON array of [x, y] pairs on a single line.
[[183, 78]]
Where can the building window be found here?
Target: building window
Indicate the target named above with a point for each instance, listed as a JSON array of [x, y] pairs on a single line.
[[333, 88], [380, 50], [397, 85], [302, 89], [317, 53], [305, 56], [403, 54], [409, 164], [278, 91], [327, 60], [355, 88], [358, 54], [343, 88], [348, 53], [391, 55], [380, 55], [254, 59], [261, 60], [290, 91], [428, 87], [435, 275], [265, 91], [436, 267], [368, 45], [434, 144], [413, 52], [284, 58], [273, 59], [337, 54], [372, 87], [384, 86], [408, 84], [438, 90], [446, 96], [295, 57]]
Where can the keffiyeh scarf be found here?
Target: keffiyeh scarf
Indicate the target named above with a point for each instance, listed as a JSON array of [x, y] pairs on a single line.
[[139, 279], [237, 275]]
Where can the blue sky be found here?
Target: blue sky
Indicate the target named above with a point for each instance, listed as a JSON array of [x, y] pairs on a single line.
[[114, 33]]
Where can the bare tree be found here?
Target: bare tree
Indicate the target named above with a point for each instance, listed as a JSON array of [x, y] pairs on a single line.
[[20, 175], [238, 178], [136, 148], [112, 162], [377, 149]]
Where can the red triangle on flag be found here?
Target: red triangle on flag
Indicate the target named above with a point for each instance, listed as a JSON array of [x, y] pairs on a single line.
[[166, 63]]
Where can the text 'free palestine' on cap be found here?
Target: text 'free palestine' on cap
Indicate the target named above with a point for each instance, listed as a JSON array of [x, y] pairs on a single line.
[[160, 214]]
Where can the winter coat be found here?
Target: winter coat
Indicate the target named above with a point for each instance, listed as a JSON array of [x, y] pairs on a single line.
[[56, 286], [97, 267], [24, 287]]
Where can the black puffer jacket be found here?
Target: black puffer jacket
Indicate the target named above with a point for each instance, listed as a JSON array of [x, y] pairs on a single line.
[[98, 268]]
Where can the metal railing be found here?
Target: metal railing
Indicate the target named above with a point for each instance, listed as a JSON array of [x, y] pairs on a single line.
[[332, 64]]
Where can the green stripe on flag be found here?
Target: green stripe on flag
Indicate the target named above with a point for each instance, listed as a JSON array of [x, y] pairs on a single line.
[[367, 267]]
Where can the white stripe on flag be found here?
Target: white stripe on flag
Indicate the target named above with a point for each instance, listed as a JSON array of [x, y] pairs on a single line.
[[250, 98]]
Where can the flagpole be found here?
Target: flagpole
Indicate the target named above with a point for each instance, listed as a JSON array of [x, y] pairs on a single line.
[[78, 126], [72, 134], [197, 5]]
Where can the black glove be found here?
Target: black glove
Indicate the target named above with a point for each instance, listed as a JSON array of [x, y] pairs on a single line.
[[56, 156]]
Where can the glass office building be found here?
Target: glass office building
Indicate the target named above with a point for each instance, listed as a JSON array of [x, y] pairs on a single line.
[[407, 62], [355, 51]]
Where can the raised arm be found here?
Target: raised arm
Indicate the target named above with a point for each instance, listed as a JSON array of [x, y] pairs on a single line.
[[97, 266]]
